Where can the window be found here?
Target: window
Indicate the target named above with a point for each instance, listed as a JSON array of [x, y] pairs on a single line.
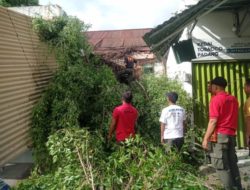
[[184, 51]]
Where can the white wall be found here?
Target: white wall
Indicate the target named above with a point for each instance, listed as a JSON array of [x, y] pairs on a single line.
[[179, 71], [46, 11], [214, 38], [216, 28], [218, 25], [158, 68]]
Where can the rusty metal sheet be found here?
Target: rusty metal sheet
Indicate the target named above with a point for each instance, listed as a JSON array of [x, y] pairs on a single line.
[[111, 39]]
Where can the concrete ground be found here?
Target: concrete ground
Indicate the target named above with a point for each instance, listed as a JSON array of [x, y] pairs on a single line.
[[212, 180], [17, 169]]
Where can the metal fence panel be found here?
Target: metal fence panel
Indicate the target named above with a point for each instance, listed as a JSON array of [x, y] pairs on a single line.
[[235, 72], [26, 66]]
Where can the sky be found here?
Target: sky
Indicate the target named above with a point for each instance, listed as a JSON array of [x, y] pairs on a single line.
[[119, 14]]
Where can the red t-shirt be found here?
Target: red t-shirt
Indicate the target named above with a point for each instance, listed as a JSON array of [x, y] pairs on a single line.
[[125, 116], [224, 107]]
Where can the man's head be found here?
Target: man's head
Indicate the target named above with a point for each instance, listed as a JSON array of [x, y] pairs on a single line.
[[218, 84], [129, 59], [127, 96], [172, 97], [247, 86]]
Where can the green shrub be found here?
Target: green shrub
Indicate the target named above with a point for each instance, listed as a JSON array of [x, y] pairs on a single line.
[[136, 164], [82, 92], [152, 99], [140, 165], [81, 96], [71, 120]]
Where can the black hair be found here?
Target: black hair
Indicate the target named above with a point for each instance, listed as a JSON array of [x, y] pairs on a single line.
[[172, 96], [127, 96], [219, 81], [126, 59]]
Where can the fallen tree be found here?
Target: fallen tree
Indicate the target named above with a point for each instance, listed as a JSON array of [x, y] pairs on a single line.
[[70, 123]]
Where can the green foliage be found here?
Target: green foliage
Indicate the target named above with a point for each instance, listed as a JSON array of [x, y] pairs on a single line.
[[193, 153], [71, 120], [141, 165], [135, 164], [4, 3], [81, 96], [77, 159], [152, 99], [17, 3], [65, 36], [81, 91]]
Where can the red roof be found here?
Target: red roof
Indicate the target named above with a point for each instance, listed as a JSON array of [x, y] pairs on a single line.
[[117, 40]]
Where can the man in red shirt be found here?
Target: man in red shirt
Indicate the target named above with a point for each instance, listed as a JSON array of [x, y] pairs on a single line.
[[223, 121], [124, 119]]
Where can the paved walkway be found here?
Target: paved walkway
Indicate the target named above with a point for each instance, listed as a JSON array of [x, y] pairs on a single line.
[[17, 169], [212, 180]]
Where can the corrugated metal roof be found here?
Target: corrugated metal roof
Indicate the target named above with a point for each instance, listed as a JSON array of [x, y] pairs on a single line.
[[164, 35], [117, 40]]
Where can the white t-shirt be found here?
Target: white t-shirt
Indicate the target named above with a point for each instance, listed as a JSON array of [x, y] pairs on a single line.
[[173, 117]]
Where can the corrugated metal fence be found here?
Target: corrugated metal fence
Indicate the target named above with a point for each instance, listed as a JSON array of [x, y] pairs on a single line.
[[235, 72], [25, 69]]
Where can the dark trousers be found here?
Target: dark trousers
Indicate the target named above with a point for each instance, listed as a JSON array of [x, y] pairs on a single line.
[[224, 159], [174, 143], [126, 76]]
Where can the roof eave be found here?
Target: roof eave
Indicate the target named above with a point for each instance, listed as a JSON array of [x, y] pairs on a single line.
[[164, 35]]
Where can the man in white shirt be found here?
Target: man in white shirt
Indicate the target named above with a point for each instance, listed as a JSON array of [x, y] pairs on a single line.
[[172, 122]]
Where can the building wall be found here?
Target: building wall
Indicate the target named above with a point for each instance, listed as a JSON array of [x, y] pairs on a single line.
[[215, 29], [26, 66], [181, 72], [220, 51], [214, 37], [218, 25], [46, 11]]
